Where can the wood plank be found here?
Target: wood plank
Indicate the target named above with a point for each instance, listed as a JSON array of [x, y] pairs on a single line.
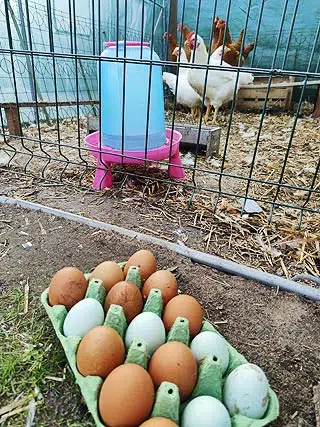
[[209, 138], [289, 95], [48, 103], [258, 105], [261, 93], [253, 97], [13, 122], [316, 111], [11, 110]]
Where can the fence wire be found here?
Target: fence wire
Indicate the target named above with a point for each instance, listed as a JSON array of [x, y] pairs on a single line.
[[50, 69]]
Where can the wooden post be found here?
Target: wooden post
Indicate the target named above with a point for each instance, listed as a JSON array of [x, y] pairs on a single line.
[[316, 111], [12, 116], [288, 102], [173, 25], [173, 17]]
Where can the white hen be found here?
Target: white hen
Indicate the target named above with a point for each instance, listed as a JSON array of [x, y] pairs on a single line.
[[220, 83], [186, 96]]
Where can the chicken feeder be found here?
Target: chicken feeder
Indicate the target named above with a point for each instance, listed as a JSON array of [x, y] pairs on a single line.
[[132, 100], [132, 113], [106, 156]]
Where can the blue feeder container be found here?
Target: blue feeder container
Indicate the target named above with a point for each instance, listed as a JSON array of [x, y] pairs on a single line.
[[137, 130]]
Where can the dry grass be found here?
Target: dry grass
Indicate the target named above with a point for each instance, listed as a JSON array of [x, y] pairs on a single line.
[[216, 221]]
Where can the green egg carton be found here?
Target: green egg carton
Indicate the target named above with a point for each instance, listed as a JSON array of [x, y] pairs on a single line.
[[137, 353], [90, 385], [237, 359], [167, 403]]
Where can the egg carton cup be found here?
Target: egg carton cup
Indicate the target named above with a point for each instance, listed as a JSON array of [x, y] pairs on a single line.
[[167, 403]]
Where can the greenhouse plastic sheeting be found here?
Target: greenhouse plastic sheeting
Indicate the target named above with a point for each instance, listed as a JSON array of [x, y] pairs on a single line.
[[303, 36]]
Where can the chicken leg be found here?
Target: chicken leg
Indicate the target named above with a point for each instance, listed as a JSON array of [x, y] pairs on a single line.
[[195, 112], [215, 116], [207, 116]]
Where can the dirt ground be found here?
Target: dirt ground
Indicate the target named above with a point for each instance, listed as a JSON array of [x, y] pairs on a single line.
[[267, 160], [211, 223], [277, 331], [164, 212]]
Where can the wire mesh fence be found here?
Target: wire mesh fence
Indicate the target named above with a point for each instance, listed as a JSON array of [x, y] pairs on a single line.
[[51, 90]]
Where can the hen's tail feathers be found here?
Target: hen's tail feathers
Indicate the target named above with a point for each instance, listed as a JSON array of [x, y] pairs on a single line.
[[171, 80], [245, 79], [238, 43], [247, 49]]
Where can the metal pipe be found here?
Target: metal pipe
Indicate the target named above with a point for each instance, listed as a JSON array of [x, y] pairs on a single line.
[[303, 276], [257, 71], [220, 264], [24, 42]]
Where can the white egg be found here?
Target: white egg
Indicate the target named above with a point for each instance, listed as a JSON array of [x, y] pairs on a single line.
[[211, 344], [147, 327], [205, 411], [83, 316], [246, 391]]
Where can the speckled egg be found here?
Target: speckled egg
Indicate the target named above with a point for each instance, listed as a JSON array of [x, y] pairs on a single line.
[[128, 296], [246, 391], [67, 287]]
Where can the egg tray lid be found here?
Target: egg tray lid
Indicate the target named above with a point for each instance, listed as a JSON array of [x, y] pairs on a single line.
[[167, 402]]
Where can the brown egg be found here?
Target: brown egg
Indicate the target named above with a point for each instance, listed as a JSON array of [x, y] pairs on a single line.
[[128, 296], [183, 306], [126, 396], [159, 422], [174, 362], [67, 287], [109, 272], [145, 260], [100, 351], [163, 280]]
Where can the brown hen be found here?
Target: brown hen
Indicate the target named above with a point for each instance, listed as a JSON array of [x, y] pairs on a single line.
[[172, 44]]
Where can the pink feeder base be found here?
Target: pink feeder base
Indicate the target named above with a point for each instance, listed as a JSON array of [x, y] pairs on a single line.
[[106, 156]]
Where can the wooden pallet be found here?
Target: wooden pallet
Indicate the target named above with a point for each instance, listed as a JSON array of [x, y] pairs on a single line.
[[11, 110], [253, 99]]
